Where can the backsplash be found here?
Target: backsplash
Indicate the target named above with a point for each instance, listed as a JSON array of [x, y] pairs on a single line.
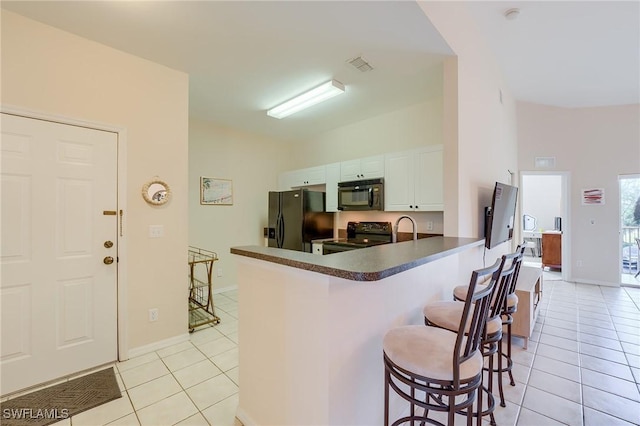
[[421, 218]]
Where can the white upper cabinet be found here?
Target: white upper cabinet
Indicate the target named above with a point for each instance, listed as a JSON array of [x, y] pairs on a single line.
[[414, 180], [331, 189], [302, 177], [362, 168]]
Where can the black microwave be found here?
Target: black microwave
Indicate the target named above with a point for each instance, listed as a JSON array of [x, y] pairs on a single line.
[[361, 195]]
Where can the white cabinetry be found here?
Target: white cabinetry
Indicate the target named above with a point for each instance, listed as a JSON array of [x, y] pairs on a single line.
[[362, 168], [302, 177], [331, 189], [414, 180]]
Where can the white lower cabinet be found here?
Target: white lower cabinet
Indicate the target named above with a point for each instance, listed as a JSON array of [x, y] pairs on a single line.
[[414, 180]]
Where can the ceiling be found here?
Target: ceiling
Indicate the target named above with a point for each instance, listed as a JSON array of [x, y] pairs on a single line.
[[244, 57]]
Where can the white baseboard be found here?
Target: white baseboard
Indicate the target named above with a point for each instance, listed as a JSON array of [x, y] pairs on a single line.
[[145, 349], [223, 289], [244, 417], [596, 282]]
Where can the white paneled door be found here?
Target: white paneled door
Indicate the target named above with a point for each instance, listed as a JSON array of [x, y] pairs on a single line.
[[59, 231]]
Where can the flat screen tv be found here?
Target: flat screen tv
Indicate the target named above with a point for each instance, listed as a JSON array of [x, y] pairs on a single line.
[[500, 217]]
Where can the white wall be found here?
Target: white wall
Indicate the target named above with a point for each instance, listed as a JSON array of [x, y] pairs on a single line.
[[54, 72], [406, 128], [479, 122], [595, 145], [252, 163], [541, 198]]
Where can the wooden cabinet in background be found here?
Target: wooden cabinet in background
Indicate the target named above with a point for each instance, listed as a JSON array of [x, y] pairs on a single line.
[[552, 249]]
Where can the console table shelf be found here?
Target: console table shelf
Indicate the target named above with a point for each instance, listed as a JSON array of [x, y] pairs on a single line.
[[529, 292]]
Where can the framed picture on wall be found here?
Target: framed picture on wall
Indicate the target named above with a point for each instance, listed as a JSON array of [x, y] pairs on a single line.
[[592, 196], [216, 191]]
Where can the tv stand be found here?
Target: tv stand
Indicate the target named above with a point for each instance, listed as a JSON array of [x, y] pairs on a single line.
[[529, 292]]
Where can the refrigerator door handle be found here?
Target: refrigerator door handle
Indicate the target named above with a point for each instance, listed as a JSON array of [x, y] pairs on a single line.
[[280, 230]]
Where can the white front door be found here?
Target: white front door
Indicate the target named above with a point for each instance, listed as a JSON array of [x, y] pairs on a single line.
[[57, 294]]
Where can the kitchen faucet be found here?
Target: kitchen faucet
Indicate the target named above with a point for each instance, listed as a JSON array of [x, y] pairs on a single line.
[[394, 233]]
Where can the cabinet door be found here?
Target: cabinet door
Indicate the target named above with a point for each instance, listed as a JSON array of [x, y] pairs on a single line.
[[399, 182], [350, 170], [552, 250], [429, 182], [332, 173], [362, 168], [372, 167], [313, 176]]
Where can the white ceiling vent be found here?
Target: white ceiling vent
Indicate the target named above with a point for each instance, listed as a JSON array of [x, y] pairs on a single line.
[[545, 162], [360, 64]]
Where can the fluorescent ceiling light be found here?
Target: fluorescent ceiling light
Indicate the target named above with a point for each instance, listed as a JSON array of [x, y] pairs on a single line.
[[307, 99]]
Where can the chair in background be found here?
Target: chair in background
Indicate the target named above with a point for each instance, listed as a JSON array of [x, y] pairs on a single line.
[[529, 224]]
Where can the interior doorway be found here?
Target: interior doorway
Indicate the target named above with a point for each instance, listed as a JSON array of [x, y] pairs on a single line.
[[544, 214], [629, 229]]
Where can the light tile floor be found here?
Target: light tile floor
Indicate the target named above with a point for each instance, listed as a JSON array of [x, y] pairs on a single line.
[[582, 367], [191, 383]]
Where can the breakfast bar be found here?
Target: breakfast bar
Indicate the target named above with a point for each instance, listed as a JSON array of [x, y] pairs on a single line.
[[311, 326]]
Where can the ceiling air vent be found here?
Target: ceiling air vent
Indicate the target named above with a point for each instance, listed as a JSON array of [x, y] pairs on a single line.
[[360, 64]]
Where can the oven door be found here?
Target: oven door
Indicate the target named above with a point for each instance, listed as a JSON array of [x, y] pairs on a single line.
[[330, 248], [360, 195]]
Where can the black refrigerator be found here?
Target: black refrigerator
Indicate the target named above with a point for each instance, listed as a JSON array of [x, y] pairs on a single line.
[[297, 217]]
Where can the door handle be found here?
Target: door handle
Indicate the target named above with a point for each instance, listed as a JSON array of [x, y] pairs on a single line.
[[108, 260]]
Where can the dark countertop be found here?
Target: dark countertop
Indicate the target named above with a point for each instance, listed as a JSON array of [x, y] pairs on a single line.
[[367, 264]]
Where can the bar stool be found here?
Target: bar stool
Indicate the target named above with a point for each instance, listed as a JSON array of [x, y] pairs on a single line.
[[445, 314], [441, 364], [510, 307]]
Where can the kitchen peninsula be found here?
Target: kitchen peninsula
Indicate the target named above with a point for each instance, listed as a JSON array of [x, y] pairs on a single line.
[[311, 327]]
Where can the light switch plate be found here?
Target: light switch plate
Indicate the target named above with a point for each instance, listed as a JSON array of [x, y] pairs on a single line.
[[156, 231]]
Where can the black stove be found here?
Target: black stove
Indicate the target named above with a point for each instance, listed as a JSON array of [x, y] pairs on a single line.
[[360, 235]]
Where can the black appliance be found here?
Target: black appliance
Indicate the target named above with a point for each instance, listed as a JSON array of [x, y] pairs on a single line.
[[297, 217], [499, 218], [360, 235], [557, 223], [361, 195]]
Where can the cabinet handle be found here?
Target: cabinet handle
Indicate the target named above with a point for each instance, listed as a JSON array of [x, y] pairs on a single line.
[[410, 207]]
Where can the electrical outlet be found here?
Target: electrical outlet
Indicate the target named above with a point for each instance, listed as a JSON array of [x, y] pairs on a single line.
[[579, 263], [429, 226], [219, 272], [156, 231], [153, 314]]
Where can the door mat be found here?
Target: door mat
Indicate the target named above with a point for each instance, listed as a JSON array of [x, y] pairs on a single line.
[[61, 401]]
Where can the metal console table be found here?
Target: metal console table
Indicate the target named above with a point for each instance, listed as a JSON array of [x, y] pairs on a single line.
[[201, 308]]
